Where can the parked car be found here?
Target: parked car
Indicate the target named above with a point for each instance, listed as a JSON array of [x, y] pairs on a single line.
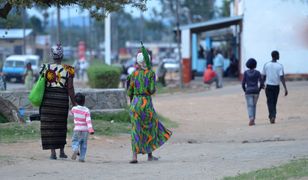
[[14, 67], [171, 65]]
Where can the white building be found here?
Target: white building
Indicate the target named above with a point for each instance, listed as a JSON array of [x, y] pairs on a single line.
[[260, 27]]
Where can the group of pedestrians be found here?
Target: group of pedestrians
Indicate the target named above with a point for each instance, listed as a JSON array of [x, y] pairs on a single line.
[[254, 81], [147, 133]]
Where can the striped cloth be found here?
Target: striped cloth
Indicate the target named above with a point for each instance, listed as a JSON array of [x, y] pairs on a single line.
[[53, 111], [82, 119]]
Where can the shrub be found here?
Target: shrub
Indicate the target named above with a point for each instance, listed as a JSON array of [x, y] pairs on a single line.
[[104, 76]]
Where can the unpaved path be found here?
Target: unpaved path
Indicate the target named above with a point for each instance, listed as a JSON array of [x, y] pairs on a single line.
[[212, 141]]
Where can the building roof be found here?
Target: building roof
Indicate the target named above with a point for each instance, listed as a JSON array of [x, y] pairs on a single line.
[[14, 33], [213, 24]]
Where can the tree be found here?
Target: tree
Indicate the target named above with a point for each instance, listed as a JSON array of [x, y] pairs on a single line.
[[225, 9], [97, 8], [36, 24], [190, 10]]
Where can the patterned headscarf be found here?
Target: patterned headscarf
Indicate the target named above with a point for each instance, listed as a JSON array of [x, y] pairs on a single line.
[[57, 52]]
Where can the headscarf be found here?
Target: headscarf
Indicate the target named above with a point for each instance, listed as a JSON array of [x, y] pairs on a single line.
[[140, 59], [57, 52]]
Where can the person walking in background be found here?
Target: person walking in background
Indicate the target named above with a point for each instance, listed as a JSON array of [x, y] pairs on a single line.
[[147, 132], [209, 76], [219, 67], [209, 57], [83, 126], [55, 104], [161, 73], [28, 76], [273, 73], [252, 84]]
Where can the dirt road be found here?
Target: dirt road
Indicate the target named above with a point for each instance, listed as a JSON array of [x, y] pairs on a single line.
[[212, 141]]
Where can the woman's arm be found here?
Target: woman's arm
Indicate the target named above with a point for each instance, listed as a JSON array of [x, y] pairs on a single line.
[[244, 82], [152, 79], [71, 90]]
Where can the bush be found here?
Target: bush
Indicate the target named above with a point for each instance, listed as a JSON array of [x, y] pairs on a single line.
[[104, 76]]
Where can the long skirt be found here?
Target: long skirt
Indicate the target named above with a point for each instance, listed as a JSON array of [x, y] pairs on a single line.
[[147, 133], [54, 112]]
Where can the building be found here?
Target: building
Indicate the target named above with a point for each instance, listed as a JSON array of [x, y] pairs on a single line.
[[12, 43], [257, 28]]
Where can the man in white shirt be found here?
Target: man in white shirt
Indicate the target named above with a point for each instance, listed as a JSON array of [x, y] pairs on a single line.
[[219, 67], [273, 73]]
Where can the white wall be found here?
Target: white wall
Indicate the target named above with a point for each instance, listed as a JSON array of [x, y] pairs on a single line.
[[276, 25]]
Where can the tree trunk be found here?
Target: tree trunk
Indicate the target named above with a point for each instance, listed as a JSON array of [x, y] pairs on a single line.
[[9, 111]]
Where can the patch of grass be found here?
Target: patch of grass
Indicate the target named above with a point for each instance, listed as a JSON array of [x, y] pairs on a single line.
[[109, 124], [122, 116], [14, 132], [294, 169], [3, 119], [163, 90]]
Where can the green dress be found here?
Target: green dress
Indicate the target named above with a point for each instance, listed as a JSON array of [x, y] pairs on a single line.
[[147, 132]]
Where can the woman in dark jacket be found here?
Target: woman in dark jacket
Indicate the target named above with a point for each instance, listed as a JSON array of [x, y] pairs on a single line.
[[252, 84], [55, 105]]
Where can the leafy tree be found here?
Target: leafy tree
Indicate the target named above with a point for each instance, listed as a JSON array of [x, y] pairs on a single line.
[[97, 8], [189, 10], [36, 24], [225, 9]]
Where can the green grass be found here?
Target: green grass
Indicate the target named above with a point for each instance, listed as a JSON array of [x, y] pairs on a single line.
[[294, 169], [3, 119], [163, 90], [108, 124], [14, 132]]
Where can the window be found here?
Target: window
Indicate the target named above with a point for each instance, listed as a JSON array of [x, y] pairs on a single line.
[[19, 64]]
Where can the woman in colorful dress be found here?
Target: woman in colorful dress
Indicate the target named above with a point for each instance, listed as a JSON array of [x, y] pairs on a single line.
[[147, 132], [55, 105]]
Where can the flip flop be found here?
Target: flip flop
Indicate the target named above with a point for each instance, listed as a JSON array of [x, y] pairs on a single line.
[[133, 162]]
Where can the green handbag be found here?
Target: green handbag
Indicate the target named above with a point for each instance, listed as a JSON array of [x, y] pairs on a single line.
[[37, 92]]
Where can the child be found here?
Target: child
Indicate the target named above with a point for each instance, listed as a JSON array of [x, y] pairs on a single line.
[[28, 76], [251, 88], [83, 126]]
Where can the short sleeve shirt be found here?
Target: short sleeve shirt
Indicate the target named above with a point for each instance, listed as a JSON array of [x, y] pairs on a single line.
[[57, 74], [273, 71]]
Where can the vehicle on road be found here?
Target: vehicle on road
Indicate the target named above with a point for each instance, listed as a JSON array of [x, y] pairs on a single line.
[[14, 66], [171, 65]]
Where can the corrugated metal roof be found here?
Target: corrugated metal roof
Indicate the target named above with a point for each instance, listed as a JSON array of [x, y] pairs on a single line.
[[14, 33], [213, 24]]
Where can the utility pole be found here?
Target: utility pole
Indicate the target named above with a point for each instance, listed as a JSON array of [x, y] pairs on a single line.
[[69, 36], [179, 43], [141, 26], [24, 31], [58, 23], [108, 39]]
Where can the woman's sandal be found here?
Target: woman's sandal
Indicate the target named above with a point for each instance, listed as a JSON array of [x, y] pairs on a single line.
[[53, 157], [133, 161]]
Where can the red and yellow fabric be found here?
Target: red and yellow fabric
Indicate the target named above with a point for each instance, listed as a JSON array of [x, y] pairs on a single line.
[[57, 74]]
